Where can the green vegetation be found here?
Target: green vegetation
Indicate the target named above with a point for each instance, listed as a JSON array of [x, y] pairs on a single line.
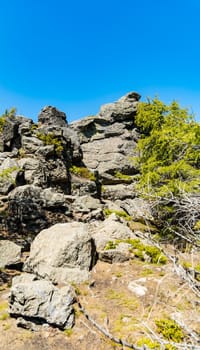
[[6, 174], [149, 343], [82, 172], [121, 299], [120, 213], [7, 114], [4, 315], [68, 332], [169, 329], [126, 178], [169, 157], [140, 250], [169, 164], [51, 139]]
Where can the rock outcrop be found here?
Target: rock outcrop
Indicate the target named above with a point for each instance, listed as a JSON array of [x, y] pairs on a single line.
[[58, 184], [108, 140]]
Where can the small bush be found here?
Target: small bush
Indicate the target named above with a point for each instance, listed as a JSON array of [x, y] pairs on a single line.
[[111, 245], [126, 178], [169, 329], [149, 343], [51, 139], [120, 213], [82, 172]]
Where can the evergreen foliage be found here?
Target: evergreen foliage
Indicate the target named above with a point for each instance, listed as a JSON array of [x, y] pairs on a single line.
[[169, 149], [7, 114]]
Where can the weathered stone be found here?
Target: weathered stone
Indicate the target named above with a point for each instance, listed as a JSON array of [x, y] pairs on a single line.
[[52, 116], [112, 136], [10, 253], [45, 151], [26, 212], [109, 230], [34, 171], [25, 127], [41, 301], [64, 252], [85, 204], [123, 109], [118, 191], [137, 288], [113, 256], [9, 170], [137, 208], [52, 199], [31, 143]]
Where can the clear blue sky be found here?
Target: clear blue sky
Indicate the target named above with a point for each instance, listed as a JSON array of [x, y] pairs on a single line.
[[77, 55]]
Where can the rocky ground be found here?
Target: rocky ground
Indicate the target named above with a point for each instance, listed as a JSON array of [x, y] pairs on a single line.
[[82, 265], [123, 298]]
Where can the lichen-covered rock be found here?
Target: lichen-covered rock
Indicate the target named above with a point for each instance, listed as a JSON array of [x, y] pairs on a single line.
[[64, 252], [41, 301]]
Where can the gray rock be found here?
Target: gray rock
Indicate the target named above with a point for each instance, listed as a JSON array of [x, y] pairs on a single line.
[[109, 230], [9, 136], [138, 289], [85, 204], [137, 208], [9, 170], [52, 199], [52, 116], [42, 302], [45, 151], [31, 144], [64, 252], [123, 109], [113, 256], [118, 191], [25, 126], [34, 171], [26, 213], [112, 137], [10, 253]]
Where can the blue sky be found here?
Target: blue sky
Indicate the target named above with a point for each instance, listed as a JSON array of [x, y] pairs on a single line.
[[77, 55]]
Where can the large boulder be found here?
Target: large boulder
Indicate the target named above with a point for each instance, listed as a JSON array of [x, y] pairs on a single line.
[[42, 302], [10, 253], [64, 252]]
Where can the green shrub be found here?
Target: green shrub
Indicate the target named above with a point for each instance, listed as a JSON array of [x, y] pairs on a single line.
[[120, 213], [6, 174], [149, 343], [82, 172], [139, 250], [124, 177], [169, 329], [169, 157], [111, 245], [51, 139], [7, 114]]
